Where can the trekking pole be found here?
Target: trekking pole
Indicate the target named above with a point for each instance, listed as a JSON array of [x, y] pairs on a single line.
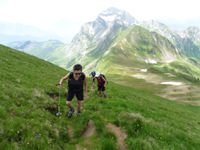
[[59, 91]]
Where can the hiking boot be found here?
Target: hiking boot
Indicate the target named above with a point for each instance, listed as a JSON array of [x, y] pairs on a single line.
[[78, 113], [70, 113]]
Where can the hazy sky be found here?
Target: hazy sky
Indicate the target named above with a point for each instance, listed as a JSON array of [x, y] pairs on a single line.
[[64, 17]]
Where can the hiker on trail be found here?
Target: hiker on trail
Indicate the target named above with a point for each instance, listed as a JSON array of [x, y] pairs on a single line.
[[101, 83], [76, 81]]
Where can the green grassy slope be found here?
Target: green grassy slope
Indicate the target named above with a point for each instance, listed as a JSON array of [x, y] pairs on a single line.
[[27, 113], [25, 81], [133, 45], [128, 55]]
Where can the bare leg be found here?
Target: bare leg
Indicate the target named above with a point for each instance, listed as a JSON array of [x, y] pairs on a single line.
[[100, 93], [69, 104], [78, 106], [71, 109], [104, 94]]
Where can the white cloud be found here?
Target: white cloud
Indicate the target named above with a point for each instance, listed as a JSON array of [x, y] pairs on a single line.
[[48, 11], [66, 16]]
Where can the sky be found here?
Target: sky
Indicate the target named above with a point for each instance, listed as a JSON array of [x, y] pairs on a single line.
[[65, 17]]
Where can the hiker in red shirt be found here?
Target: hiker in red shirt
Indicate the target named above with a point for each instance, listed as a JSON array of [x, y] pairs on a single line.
[[101, 84]]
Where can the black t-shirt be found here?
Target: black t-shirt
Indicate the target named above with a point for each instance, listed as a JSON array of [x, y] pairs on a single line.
[[76, 85]]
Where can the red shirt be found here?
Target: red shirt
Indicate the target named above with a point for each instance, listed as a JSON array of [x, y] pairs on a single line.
[[100, 80]]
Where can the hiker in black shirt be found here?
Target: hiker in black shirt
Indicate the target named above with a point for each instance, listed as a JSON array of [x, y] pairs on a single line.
[[76, 81]]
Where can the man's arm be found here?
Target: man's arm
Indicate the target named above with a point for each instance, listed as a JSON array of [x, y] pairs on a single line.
[[66, 77], [85, 85], [105, 82], [86, 88], [93, 81]]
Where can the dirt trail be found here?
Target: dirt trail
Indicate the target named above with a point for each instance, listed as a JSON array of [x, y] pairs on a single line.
[[88, 132], [121, 136], [70, 131], [90, 129], [78, 147]]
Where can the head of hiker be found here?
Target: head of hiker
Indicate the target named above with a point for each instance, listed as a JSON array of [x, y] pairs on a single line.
[[93, 73], [77, 70]]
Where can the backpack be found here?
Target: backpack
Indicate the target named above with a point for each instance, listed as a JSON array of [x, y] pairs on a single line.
[[104, 77]]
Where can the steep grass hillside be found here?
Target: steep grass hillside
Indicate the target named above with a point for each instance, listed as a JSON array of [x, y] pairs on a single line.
[[128, 119]]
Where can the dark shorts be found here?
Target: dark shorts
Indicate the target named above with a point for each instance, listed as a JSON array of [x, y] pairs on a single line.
[[101, 88], [79, 95]]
